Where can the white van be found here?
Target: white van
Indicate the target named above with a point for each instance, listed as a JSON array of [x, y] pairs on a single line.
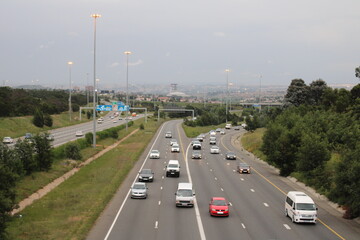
[[228, 126], [300, 207], [212, 140], [185, 195], [173, 168]]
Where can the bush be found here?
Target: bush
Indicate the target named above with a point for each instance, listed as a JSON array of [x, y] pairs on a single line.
[[72, 151], [48, 120], [142, 127], [38, 119]]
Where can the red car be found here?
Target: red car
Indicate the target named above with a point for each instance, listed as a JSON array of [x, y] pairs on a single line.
[[218, 206]]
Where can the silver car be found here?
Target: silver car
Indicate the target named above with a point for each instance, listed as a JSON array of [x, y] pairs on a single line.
[[139, 190], [214, 150], [196, 154], [154, 154]]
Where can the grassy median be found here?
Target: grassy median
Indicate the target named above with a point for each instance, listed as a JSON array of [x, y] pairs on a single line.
[[70, 210], [193, 132]]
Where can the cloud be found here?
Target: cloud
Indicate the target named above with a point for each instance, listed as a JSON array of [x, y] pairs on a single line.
[[138, 62], [47, 45], [115, 64], [73, 34], [219, 34], [167, 54]]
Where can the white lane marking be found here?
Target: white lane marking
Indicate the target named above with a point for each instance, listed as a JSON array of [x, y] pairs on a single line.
[[162, 177], [159, 203], [242, 179], [207, 163], [287, 227], [228, 164], [197, 212], [230, 203], [252, 190], [165, 162], [161, 188], [234, 170], [127, 195], [266, 205], [243, 225], [215, 178], [222, 189], [156, 224], [210, 169]]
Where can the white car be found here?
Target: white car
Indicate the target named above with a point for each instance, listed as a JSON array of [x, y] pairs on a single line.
[[154, 154], [173, 141], [222, 132], [212, 133], [114, 121], [8, 140], [175, 148], [79, 134], [214, 150], [99, 121], [168, 135]]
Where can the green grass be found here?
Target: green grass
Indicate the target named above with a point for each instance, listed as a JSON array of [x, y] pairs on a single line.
[[252, 142], [192, 132], [17, 126], [70, 210], [30, 184]]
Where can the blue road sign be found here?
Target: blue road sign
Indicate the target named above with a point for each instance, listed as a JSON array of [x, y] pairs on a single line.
[[104, 108], [123, 108]]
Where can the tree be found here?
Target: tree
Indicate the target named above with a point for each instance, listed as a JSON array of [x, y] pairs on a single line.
[[347, 182], [24, 152], [43, 153], [316, 90], [38, 119], [297, 93], [357, 72], [72, 151], [7, 189], [48, 120]]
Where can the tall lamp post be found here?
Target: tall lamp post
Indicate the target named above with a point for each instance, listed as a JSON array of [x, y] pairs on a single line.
[[227, 91], [97, 90], [127, 53], [70, 110], [95, 16]]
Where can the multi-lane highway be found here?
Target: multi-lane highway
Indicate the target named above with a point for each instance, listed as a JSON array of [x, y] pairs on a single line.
[[256, 200]]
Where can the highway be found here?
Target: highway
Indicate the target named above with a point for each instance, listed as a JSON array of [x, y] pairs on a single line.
[[67, 134], [256, 199]]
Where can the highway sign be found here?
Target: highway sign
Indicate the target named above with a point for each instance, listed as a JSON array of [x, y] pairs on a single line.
[[123, 108], [103, 108]]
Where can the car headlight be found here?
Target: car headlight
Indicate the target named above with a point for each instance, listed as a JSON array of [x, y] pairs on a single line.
[[213, 209], [140, 177], [150, 177]]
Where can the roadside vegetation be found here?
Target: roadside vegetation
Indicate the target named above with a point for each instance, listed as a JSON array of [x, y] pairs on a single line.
[[70, 210], [316, 138]]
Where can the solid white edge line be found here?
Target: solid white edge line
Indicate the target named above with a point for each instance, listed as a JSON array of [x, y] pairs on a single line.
[[243, 225], [266, 205], [127, 195], [197, 212], [156, 224]]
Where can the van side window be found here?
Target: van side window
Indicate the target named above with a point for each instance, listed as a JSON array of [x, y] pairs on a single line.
[[289, 201]]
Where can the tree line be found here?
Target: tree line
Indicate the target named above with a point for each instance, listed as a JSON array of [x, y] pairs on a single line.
[[316, 138], [22, 102]]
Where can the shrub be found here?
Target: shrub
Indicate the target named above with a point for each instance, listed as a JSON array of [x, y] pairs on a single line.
[[142, 127], [72, 151], [48, 120]]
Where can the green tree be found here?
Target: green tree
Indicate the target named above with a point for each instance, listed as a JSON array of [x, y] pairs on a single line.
[[72, 151], [43, 153], [316, 90], [24, 152], [38, 119], [297, 93], [347, 181], [48, 121], [8, 180], [357, 72]]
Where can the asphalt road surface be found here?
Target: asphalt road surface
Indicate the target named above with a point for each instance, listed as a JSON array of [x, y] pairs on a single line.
[[256, 199]]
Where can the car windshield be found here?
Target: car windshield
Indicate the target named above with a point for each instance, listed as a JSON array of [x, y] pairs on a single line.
[[230, 153], [184, 193], [244, 165], [219, 203], [154, 151], [305, 206], [139, 186], [215, 147], [146, 171], [196, 152], [173, 165]]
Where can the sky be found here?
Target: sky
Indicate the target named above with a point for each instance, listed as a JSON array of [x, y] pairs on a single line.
[[185, 42]]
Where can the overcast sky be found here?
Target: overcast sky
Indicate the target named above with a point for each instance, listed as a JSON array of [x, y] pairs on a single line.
[[179, 41]]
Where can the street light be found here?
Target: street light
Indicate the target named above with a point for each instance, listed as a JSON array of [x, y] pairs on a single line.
[[70, 110], [97, 90], [95, 16], [127, 53], [227, 91]]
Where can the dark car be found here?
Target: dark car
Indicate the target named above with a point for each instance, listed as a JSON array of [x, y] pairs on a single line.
[[243, 168], [231, 156], [196, 154], [146, 175]]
